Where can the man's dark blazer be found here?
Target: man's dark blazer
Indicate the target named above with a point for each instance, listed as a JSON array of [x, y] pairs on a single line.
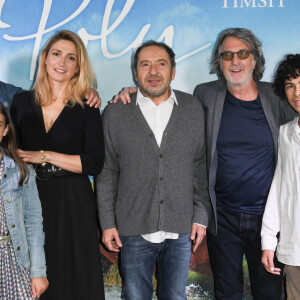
[[212, 96]]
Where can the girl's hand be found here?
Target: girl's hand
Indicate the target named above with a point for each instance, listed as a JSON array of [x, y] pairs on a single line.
[[39, 286]]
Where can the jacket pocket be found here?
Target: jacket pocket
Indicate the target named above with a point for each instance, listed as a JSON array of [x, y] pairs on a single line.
[[17, 194]]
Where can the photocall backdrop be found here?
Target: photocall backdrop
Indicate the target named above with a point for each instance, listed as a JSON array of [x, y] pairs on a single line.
[[111, 29]]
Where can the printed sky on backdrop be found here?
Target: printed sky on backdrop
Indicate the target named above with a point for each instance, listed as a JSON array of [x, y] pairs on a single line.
[[111, 28]]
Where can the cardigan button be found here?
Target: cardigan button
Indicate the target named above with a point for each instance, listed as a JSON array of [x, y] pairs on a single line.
[[161, 201], [13, 226], [4, 175], [160, 155], [8, 200], [18, 248], [161, 178]]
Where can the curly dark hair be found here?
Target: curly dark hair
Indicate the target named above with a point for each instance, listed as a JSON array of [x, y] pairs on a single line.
[[288, 68]]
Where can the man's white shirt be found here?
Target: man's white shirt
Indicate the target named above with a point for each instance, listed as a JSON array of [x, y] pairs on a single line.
[[157, 117]]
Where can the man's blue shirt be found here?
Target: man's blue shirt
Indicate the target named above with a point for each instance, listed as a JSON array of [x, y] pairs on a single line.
[[245, 156], [7, 92]]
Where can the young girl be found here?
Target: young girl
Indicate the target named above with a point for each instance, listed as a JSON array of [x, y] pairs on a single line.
[[282, 213], [22, 255]]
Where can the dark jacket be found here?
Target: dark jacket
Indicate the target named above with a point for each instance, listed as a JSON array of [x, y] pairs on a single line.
[[212, 97]]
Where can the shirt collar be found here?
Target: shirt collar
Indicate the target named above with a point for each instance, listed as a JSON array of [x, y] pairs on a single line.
[[8, 162], [295, 125], [141, 99]]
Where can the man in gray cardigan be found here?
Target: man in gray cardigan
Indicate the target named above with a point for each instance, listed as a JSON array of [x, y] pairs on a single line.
[[152, 193], [242, 116]]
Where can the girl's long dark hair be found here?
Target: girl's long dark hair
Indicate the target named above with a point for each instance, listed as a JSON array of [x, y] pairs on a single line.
[[9, 145]]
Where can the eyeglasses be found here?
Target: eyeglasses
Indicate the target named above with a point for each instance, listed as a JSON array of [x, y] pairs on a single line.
[[242, 54]]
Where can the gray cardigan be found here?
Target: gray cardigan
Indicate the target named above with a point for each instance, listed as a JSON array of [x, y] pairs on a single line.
[[143, 188], [212, 97]]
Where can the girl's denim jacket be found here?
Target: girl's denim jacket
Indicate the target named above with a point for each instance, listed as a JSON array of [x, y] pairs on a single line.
[[24, 216]]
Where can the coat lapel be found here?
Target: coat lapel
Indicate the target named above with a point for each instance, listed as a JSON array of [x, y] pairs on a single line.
[[217, 115], [266, 104]]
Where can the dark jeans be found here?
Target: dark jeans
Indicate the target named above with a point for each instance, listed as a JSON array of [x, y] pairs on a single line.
[[138, 258], [239, 234]]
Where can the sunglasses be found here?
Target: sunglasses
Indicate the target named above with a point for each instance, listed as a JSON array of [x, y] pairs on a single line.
[[242, 54]]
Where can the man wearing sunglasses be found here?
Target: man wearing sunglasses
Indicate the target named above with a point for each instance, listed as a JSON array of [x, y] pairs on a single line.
[[243, 116]]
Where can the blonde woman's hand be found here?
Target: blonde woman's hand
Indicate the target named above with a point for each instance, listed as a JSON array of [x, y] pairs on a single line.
[[124, 95], [93, 98], [39, 286], [34, 157]]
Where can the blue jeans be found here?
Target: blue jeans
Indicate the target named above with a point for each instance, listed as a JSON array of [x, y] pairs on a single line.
[[138, 259], [239, 234]]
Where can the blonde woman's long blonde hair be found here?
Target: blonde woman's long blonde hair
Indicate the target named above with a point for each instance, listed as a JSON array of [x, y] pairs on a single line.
[[80, 83]]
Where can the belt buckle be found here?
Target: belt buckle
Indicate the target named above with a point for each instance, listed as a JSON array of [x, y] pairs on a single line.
[[42, 173]]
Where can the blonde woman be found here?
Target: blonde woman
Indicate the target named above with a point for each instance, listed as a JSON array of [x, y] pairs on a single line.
[[62, 137]]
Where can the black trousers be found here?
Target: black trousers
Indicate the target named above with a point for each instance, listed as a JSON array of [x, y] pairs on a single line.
[[239, 235]]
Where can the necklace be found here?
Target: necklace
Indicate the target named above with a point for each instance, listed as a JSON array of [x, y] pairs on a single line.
[[50, 115], [47, 118]]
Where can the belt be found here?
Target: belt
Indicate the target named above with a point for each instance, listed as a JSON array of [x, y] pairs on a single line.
[[44, 172], [5, 238]]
